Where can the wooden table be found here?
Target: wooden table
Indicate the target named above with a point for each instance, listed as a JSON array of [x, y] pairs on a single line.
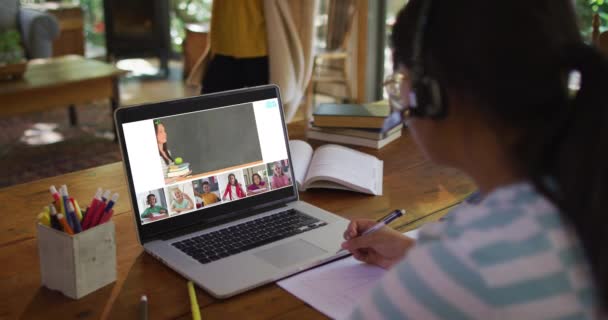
[[411, 182], [58, 83]]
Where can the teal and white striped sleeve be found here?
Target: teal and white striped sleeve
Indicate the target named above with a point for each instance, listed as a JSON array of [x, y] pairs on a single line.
[[489, 265], [431, 283], [509, 257], [437, 282]]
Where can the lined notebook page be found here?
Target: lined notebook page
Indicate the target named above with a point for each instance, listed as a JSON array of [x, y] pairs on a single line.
[[334, 288]]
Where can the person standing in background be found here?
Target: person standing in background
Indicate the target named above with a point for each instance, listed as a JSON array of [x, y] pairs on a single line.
[[239, 54], [288, 35]]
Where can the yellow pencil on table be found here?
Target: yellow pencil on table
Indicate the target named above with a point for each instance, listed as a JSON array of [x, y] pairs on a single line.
[[77, 209], [196, 313], [44, 218]]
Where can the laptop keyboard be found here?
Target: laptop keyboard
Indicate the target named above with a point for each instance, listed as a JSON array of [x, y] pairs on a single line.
[[230, 241]]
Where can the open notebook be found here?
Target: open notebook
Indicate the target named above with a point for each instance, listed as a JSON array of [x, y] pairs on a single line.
[[335, 167], [335, 288]]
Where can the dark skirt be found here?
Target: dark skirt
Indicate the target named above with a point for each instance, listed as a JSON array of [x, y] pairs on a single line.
[[228, 73]]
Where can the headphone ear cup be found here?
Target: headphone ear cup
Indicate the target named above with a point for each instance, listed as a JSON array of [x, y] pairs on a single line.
[[434, 104]]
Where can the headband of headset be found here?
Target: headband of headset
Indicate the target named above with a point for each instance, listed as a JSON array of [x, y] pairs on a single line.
[[427, 98]]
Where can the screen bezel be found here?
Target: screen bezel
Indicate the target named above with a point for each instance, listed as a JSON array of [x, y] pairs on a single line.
[[219, 214]]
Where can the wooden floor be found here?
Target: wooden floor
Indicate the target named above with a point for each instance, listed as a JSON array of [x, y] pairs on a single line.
[[136, 91]]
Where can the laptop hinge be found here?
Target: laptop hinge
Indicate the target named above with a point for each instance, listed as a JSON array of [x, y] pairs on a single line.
[[215, 222]]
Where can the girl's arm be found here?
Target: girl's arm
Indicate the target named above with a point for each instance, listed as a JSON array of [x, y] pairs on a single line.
[[226, 192], [190, 202], [272, 183]]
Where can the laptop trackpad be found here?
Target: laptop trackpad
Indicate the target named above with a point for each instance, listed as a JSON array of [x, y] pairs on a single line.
[[289, 253]]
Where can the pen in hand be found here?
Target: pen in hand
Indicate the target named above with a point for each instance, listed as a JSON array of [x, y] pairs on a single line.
[[381, 223]]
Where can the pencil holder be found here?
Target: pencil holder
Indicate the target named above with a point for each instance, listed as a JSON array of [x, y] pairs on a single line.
[[80, 264]]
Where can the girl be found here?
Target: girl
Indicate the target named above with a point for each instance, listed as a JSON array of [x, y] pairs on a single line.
[[279, 178], [258, 185], [483, 86], [181, 201], [233, 189]]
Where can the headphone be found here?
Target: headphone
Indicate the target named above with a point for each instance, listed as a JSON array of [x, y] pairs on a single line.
[[427, 98]]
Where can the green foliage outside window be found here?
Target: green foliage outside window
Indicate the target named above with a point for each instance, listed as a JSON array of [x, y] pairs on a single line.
[[184, 12], [181, 13], [585, 10], [199, 11], [94, 26], [10, 47]]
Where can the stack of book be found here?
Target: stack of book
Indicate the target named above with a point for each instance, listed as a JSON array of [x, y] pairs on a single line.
[[178, 170], [356, 124]]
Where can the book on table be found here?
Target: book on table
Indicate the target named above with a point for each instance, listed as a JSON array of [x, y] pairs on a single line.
[[335, 167], [344, 139], [367, 133], [371, 138], [367, 115]]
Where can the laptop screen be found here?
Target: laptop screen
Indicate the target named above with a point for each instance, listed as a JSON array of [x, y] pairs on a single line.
[[189, 163]]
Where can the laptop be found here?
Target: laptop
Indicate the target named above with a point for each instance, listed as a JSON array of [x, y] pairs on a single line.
[[213, 190]]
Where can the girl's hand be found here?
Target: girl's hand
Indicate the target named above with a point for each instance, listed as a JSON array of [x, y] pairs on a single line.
[[384, 248]]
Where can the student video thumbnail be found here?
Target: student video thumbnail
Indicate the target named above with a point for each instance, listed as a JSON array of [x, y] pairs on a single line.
[[231, 185], [279, 174], [256, 179], [181, 198], [206, 191], [152, 205]]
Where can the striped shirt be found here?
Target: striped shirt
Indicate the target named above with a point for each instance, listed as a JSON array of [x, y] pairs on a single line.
[[508, 257]]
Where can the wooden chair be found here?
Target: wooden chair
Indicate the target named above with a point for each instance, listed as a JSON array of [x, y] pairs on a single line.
[[330, 65]]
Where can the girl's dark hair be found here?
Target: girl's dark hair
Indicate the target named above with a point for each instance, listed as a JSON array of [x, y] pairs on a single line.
[[236, 182], [259, 177], [149, 196], [512, 59], [165, 148]]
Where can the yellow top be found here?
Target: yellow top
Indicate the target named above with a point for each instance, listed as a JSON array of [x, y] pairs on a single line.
[[238, 28], [209, 198]]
